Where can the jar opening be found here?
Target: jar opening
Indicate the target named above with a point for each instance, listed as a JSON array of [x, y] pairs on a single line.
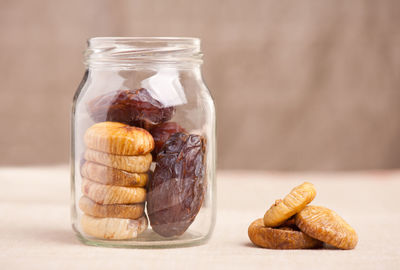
[[133, 51]]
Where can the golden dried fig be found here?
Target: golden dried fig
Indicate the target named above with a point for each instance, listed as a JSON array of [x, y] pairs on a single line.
[[118, 139], [131, 211], [107, 194], [111, 176], [113, 228], [290, 223], [280, 238], [293, 203], [138, 164], [325, 225]]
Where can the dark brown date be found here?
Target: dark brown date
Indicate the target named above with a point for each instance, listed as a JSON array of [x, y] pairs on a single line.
[[132, 107], [161, 134], [176, 190]]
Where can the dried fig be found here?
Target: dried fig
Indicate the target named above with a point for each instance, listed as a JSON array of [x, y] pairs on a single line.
[[293, 203], [111, 176], [325, 225], [135, 164], [279, 238], [107, 194], [176, 190], [113, 228], [131, 211], [119, 139], [132, 107], [290, 223]]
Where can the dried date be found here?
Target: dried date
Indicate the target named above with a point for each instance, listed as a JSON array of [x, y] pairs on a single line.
[[161, 133], [132, 107], [176, 190]]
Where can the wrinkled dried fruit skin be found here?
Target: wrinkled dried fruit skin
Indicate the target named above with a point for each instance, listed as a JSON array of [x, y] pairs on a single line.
[[108, 194], [131, 211], [112, 176], [280, 238], [293, 203], [290, 223], [133, 107], [133, 164], [161, 133], [176, 190], [326, 225], [118, 139], [113, 228]]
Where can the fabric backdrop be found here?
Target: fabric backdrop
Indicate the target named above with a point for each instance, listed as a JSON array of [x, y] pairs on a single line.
[[297, 84]]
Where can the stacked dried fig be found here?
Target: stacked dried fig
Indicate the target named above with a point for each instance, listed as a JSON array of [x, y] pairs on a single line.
[[114, 176], [291, 224], [132, 130]]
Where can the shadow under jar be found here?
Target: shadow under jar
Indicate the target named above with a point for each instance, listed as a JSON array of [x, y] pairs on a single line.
[[143, 145]]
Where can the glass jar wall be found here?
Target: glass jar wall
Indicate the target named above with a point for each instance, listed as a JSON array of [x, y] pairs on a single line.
[[143, 145]]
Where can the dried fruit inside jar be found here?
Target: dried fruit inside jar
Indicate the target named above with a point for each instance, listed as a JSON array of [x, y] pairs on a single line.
[[161, 133], [135, 95], [176, 190], [181, 192], [133, 107], [113, 178]]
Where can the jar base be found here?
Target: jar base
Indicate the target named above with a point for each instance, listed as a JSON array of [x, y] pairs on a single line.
[[147, 240]]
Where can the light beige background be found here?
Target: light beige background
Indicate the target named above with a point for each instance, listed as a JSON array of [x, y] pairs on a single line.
[[297, 84]]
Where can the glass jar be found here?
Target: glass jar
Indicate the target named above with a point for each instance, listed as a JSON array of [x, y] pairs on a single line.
[[143, 145]]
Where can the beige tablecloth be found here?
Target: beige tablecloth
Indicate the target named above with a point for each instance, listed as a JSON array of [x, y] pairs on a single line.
[[35, 230]]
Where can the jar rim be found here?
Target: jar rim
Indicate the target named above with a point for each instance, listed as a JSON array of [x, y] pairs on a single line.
[[133, 51], [193, 40]]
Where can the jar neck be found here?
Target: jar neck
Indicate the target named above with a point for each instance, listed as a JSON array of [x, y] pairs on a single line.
[[133, 53]]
